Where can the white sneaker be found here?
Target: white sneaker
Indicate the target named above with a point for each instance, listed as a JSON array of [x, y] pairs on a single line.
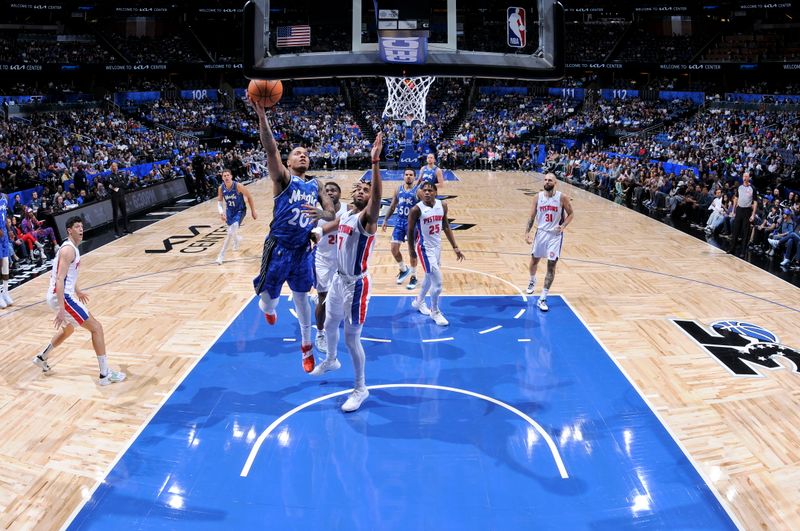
[[219, 259], [326, 365], [3, 303], [773, 242], [355, 399], [531, 286], [439, 319], [421, 307], [39, 362], [542, 305], [7, 298], [321, 342], [112, 377], [783, 262]]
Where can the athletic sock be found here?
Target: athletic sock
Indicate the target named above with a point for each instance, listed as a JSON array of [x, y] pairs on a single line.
[[103, 362], [46, 351]]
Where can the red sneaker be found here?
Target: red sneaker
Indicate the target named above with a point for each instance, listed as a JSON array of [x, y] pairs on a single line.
[[271, 318], [308, 357]]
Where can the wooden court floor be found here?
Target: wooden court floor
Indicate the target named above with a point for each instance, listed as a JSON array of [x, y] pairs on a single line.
[[625, 274]]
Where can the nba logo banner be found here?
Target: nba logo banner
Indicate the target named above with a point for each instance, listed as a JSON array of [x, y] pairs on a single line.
[[517, 34]]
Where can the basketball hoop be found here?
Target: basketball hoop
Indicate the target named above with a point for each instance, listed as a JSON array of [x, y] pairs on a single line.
[[406, 100]]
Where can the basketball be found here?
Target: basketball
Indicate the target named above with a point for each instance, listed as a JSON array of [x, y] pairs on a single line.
[[265, 91]]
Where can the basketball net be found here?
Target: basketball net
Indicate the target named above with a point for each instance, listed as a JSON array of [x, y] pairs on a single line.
[[406, 100]]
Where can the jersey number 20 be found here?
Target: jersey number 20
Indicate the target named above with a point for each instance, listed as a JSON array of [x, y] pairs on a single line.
[[298, 218]]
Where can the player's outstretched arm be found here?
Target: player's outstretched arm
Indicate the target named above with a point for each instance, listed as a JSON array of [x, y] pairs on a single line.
[[277, 171], [319, 232], [532, 217], [247, 197], [369, 218], [65, 258], [566, 206], [220, 203], [413, 219], [325, 213], [449, 233]]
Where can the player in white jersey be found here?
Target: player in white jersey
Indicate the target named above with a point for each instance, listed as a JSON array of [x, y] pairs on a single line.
[[348, 296], [426, 222], [68, 301], [552, 212], [325, 263]]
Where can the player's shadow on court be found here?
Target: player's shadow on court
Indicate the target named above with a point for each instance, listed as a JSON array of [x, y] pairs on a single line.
[[210, 406], [400, 419], [148, 509]]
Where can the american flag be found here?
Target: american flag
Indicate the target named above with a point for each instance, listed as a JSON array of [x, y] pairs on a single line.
[[294, 36]]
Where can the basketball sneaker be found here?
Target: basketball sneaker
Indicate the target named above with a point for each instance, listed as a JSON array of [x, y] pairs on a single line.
[[412, 283], [112, 377], [7, 298], [542, 305], [220, 259], [326, 365], [321, 342], [41, 363], [421, 307], [308, 357], [531, 286], [402, 275], [271, 318], [2, 301], [355, 400], [439, 319]]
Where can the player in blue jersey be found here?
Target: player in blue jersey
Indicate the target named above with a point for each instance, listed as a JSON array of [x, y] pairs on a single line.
[[232, 210], [431, 173], [405, 197], [5, 252], [287, 249]]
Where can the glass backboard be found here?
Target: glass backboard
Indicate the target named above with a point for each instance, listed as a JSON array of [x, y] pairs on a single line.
[[303, 39]]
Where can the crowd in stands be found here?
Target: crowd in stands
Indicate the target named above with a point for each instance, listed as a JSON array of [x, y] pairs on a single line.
[[43, 48], [646, 47], [173, 48], [592, 41], [726, 141], [712, 146], [701, 200], [753, 48]]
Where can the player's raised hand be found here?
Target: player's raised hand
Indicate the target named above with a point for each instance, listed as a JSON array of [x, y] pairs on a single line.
[[377, 146], [258, 106], [314, 213]]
